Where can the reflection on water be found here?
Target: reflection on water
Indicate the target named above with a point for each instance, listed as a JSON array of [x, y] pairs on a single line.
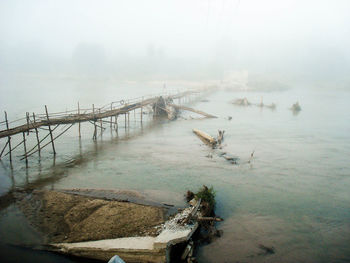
[[292, 196]]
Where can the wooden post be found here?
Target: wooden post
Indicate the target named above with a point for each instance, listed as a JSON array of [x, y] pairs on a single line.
[[27, 116], [9, 137], [128, 118], [95, 131], [37, 134], [111, 116], [128, 115], [53, 145], [25, 147], [99, 111], [79, 117], [125, 119], [141, 109], [116, 123]]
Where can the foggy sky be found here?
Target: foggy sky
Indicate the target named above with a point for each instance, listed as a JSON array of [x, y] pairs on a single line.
[[263, 35]]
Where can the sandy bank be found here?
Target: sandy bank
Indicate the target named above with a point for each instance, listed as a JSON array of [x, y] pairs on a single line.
[[67, 217]]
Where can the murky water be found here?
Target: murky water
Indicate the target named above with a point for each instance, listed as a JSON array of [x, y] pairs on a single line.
[[294, 195]]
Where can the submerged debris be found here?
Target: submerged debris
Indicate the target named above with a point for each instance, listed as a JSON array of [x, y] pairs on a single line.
[[167, 108], [159, 107], [296, 107], [230, 158], [216, 143], [244, 102], [241, 102], [272, 106]]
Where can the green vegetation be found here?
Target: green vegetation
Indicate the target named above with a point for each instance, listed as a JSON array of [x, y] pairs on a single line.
[[207, 195]]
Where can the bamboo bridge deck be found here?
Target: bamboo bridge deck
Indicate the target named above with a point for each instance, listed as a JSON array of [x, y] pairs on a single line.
[[93, 115]]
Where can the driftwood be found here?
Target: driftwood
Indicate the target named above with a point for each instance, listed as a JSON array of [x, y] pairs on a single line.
[[205, 137], [193, 110]]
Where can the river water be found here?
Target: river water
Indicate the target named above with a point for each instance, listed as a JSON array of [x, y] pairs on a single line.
[[293, 195]]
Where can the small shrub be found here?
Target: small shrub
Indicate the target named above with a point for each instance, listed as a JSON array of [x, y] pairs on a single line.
[[207, 195]]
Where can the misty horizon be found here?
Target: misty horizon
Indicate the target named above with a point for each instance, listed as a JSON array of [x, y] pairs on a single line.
[[202, 39]]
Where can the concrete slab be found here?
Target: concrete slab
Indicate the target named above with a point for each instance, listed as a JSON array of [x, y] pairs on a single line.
[[127, 243], [170, 237]]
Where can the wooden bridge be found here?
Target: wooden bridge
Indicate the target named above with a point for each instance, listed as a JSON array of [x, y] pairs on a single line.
[[96, 116]]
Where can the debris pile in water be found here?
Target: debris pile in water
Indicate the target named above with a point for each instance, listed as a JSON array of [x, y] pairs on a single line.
[[241, 102], [296, 107]]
